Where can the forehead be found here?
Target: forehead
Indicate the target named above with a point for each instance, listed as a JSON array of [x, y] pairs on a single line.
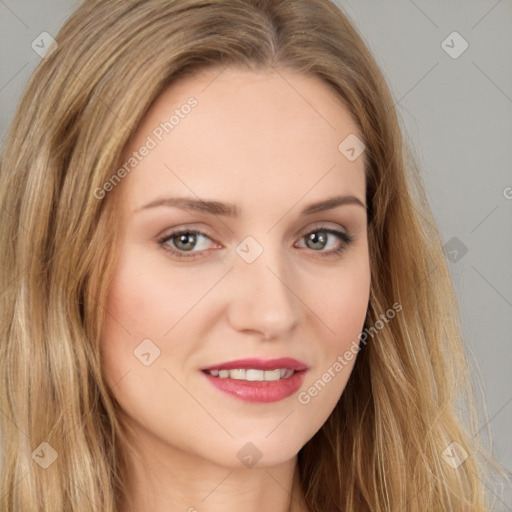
[[236, 133]]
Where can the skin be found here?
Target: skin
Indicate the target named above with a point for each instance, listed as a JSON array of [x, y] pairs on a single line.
[[267, 142]]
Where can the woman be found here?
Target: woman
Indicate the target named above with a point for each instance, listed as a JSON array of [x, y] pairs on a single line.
[[223, 283]]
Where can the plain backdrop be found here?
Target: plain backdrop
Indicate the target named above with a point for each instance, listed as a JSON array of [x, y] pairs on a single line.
[[455, 104]]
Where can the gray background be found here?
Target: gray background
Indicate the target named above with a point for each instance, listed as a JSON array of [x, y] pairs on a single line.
[[457, 114]]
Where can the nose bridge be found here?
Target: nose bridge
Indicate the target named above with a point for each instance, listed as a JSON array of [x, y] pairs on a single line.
[[264, 300]]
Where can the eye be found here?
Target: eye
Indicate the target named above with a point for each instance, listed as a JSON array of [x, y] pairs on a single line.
[[179, 243], [318, 240], [183, 241]]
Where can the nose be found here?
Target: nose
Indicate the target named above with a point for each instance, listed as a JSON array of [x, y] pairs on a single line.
[[265, 299]]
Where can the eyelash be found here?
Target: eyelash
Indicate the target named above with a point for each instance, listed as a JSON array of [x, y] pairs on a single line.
[[346, 238]]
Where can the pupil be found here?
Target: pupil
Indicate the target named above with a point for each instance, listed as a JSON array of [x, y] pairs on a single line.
[[183, 238], [315, 237], [319, 239]]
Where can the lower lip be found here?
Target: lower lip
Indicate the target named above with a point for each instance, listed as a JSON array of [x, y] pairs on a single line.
[[259, 391]]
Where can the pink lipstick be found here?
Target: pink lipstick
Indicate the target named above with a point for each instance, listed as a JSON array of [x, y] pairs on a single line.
[[257, 380]]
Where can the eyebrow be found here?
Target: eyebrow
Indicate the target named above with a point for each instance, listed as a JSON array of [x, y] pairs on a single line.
[[232, 210]]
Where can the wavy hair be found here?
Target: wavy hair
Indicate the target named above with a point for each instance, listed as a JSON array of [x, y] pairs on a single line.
[[381, 448]]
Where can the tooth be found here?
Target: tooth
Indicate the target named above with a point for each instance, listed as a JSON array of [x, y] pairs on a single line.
[[253, 375], [237, 374], [272, 374]]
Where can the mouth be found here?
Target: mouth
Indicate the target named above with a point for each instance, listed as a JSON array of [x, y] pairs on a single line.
[[253, 374], [257, 380]]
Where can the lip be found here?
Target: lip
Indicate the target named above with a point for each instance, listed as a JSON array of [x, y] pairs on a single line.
[[260, 364], [258, 391]]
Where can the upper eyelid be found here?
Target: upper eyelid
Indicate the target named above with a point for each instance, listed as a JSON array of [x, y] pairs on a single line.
[[315, 227], [303, 232]]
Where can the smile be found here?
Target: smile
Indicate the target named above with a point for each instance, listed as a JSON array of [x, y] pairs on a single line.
[[252, 375], [253, 385]]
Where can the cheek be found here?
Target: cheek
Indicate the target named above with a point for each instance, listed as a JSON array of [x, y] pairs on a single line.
[[341, 302], [132, 316], [146, 299], [341, 305]]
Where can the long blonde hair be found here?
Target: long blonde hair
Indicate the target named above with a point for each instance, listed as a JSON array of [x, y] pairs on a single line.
[[381, 448]]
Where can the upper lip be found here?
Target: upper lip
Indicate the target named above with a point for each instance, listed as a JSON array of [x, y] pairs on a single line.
[[259, 364]]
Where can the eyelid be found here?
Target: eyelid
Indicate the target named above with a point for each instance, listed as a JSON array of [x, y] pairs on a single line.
[[343, 234], [164, 239]]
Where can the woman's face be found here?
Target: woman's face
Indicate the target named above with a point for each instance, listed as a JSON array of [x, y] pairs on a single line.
[[263, 282]]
